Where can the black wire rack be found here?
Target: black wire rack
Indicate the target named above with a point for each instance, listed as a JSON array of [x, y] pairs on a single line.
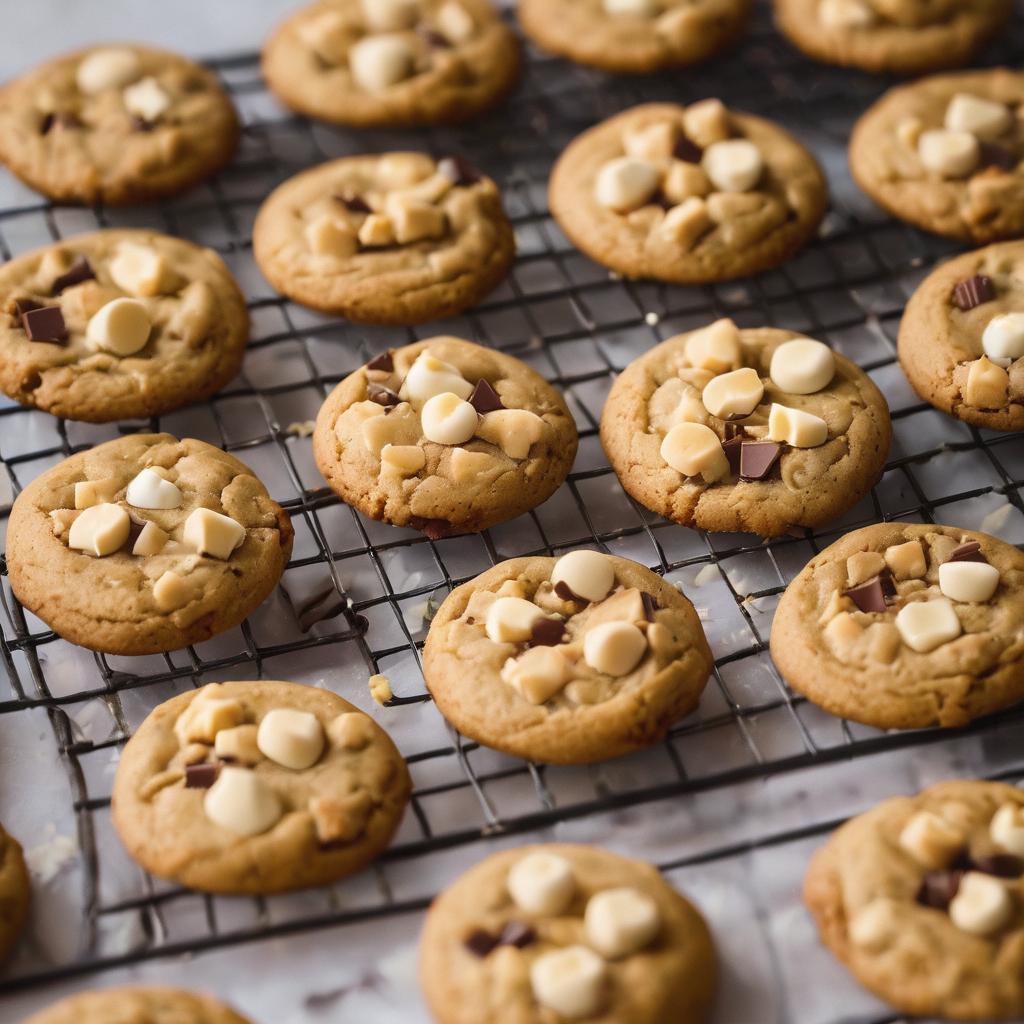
[[358, 595]]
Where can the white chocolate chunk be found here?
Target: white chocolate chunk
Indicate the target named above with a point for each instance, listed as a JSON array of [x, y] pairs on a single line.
[[707, 122], [292, 738], [429, 376], [736, 393], [684, 181], [414, 220], [653, 143], [448, 419], [376, 231], [626, 184], [571, 981], [100, 530], [844, 629], [925, 625], [687, 223], [614, 648], [106, 69], [932, 841], [796, 427], [466, 465], [715, 347], [511, 619], [206, 716], [538, 673], [845, 14], [328, 236], [514, 431], [401, 427], [590, 575], [150, 490], [907, 561], [863, 565], [988, 384], [238, 744], [1003, 337], [390, 15], [542, 883], [351, 730], [949, 154], [212, 533], [1007, 829], [620, 921], [171, 592], [147, 99], [139, 270], [402, 460], [455, 22], [379, 62], [695, 450], [982, 904], [151, 541], [326, 34], [94, 492], [908, 131], [340, 820], [985, 119], [122, 326], [643, 8], [733, 165], [242, 802], [875, 925], [802, 366], [970, 582]]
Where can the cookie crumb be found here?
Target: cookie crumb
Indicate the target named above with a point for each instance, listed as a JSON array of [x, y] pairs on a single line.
[[652, 319], [380, 689], [304, 428]]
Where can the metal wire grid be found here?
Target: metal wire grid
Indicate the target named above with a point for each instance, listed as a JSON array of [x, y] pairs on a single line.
[[363, 592]]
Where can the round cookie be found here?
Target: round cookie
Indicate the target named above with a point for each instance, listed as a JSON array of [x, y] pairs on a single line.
[[565, 932], [176, 335], [961, 340], [390, 445], [944, 154], [905, 37], [392, 239], [634, 36], [688, 195], [920, 899], [258, 787], [148, 1005], [116, 125], [145, 544], [373, 63], [568, 661], [14, 893], [903, 626], [714, 429]]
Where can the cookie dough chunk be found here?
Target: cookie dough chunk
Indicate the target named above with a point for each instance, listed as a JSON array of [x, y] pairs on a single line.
[[117, 125], [145, 544], [920, 898], [14, 893], [758, 430], [905, 37], [394, 239], [444, 436], [392, 62], [903, 626], [634, 36], [961, 341], [566, 660], [118, 324], [945, 154], [565, 932], [149, 1005]]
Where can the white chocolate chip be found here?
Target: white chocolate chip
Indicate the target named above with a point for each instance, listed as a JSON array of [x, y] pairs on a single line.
[[1007, 829], [106, 69], [845, 14], [642, 8], [796, 427], [970, 582], [328, 236], [292, 738], [736, 393], [402, 460], [429, 376], [932, 841], [802, 366], [695, 450], [982, 904], [538, 673], [875, 925], [514, 431], [988, 384], [985, 119], [733, 165], [653, 143], [379, 62], [100, 530], [238, 744], [684, 181], [448, 419], [390, 15], [171, 592], [542, 883], [121, 326], [95, 492], [150, 490], [590, 575], [614, 648], [949, 154], [206, 716], [907, 561], [455, 22], [687, 223], [242, 802], [212, 533], [571, 981], [146, 99], [715, 347], [511, 619], [139, 270], [1003, 337], [620, 921], [707, 122], [351, 730], [925, 625], [151, 541], [626, 184], [377, 230], [414, 220]]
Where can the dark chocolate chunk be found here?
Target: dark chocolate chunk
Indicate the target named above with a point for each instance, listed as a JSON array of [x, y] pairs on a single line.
[[480, 942], [23, 306], [1002, 865], [135, 528], [384, 361], [650, 605], [733, 448], [79, 271], [352, 202], [757, 458], [939, 889], [993, 155], [459, 170], [45, 324], [434, 39], [201, 776], [562, 590], [381, 395], [873, 595], [969, 552], [973, 291], [517, 934], [484, 398], [734, 430], [687, 150], [547, 632], [140, 124]]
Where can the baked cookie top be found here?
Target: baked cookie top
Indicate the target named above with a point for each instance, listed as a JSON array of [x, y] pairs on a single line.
[[444, 436], [14, 893], [902, 626], [961, 341], [258, 787], [758, 430], [687, 195], [565, 932], [634, 35], [901, 36], [921, 899], [118, 324], [149, 1005], [145, 544], [392, 62], [567, 660], [394, 239], [944, 154], [116, 124]]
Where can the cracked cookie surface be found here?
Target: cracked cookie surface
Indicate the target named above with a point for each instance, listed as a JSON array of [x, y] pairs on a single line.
[[142, 1005], [14, 893]]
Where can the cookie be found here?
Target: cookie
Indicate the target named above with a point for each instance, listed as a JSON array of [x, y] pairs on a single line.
[[373, 63], [258, 787], [903, 626], [944, 154], [119, 324], [149, 1005], [565, 932], [758, 430], [14, 893], [566, 660], [688, 195], [961, 340], [634, 36], [116, 125], [444, 436], [145, 544], [904, 37], [920, 899], [393, 239]]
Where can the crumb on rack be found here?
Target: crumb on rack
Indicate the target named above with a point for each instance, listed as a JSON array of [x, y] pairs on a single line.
[[380, 689], [304, 428]]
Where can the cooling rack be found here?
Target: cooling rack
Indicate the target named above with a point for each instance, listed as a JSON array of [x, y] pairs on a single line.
[[358, 595]]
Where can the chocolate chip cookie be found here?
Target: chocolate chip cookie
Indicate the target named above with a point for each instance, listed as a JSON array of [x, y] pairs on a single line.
[[258, 787], [14, 893], [118, 324], [687, 195], [116, 125], [634, 36], [444, 436], [944, 154], [920, 898], [392, 62], [961, 340], [564, 932], [567, 660], [149, 1005], [903, 626], [906, 37], [145, 544], [759, 430]]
